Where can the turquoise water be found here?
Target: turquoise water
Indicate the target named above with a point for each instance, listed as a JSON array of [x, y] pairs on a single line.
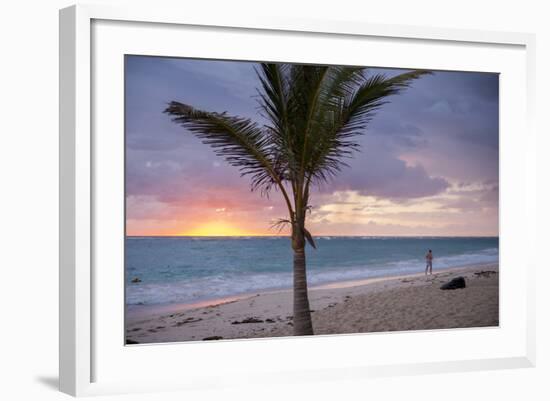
[[191, 269]]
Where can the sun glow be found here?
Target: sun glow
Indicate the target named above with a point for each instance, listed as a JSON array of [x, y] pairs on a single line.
[[216, 229]]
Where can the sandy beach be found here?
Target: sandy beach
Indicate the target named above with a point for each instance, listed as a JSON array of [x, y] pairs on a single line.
[[412, 302]]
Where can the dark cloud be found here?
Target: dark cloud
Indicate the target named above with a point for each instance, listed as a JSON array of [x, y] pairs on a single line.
[[401, 134], [376, 171]]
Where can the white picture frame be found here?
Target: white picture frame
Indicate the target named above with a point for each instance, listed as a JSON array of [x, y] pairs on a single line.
[[82, 344]]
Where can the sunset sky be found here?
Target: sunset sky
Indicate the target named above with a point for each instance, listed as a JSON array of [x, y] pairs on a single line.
[[428, 163]]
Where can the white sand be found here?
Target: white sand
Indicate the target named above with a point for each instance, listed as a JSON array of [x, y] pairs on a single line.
[[411, 302]]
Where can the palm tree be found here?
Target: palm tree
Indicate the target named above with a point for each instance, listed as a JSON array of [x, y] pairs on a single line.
[[315, 115]]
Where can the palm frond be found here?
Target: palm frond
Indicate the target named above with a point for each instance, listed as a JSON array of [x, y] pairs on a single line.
[[309, 238], [241, 142], [280, 224], [374, 93], [347, 116], [273, 101], [306, 83]]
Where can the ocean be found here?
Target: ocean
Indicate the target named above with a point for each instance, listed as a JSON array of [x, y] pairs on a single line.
[[180, 270]]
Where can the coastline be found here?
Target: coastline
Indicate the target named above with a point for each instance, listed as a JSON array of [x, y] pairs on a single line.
[[389, 303]]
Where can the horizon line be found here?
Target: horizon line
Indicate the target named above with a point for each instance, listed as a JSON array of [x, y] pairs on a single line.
[[319, 236]]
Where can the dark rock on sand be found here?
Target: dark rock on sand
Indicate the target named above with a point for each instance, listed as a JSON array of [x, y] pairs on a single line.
[[455, 283], [269, 321], [136, 280], [212, 338]]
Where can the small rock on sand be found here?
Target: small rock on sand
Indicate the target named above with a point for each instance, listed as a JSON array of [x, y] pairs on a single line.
[[188, 320], [485, 273], [248, 320]]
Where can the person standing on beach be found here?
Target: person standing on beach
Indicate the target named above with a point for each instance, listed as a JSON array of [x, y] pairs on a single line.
[[429, 258]]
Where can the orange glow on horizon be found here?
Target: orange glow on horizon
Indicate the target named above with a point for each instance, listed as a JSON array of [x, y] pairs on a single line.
[[218, 229]]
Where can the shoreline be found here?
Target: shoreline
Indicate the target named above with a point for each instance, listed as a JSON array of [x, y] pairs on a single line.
[[396, 303], [139, 312]]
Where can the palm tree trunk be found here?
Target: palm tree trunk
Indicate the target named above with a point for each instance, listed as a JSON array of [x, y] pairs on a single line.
[[302, 314]]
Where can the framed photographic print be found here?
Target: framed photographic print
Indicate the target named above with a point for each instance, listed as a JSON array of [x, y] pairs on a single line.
[[238, 194]]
